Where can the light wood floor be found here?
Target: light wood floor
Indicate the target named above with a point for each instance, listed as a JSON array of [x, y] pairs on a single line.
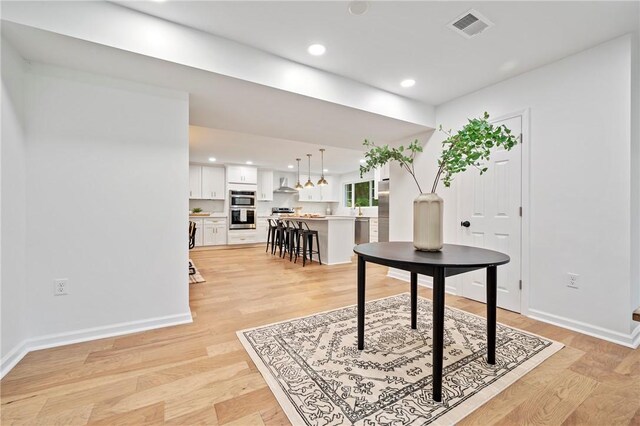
[[200, 374]]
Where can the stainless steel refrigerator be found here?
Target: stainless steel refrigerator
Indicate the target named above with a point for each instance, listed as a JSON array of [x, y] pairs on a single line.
[[383, 210]]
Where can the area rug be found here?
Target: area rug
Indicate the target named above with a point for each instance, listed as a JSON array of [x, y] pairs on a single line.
[[195, 278], [319, 376]]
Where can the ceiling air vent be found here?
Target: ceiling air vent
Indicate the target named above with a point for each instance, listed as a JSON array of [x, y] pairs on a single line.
[[470, 24]]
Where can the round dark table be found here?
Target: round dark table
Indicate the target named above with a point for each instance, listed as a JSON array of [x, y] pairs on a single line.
[[452, 260]]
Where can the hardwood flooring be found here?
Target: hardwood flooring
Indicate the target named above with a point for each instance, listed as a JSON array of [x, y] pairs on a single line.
[[200, 374]]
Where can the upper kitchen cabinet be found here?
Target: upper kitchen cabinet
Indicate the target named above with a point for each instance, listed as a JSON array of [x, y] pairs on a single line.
[[310, 194], [206, 183], [265, 185], [242, 174], [331, 192], [213, 183], [320, 194], [380, 173], [195, 182]]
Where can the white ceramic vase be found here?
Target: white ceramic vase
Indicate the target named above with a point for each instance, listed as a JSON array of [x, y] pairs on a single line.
[[427, 222]]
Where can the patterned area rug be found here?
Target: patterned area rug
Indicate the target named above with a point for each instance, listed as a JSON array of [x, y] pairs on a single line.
[[319, 377], [195, 278]]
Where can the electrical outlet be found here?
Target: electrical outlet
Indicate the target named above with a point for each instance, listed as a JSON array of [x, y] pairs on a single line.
[[573, 281], [61, 287]]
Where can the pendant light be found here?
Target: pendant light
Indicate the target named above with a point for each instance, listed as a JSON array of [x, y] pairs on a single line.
[[322, 181], [298, 185], [309, 184]]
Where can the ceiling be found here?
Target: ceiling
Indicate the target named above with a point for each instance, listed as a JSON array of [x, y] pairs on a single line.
[[237, 148], [217, 101], [395, 40]]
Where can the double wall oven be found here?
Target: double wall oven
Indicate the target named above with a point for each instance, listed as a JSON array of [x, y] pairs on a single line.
[[242, 209]]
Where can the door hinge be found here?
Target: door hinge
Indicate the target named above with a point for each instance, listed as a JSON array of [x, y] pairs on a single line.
[[520, 284], [520, 211]]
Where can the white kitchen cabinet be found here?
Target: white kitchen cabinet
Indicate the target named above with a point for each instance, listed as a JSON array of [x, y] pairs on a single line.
[[312, 194], [213, 183], [242, 236], [384, 171], [373, 230], [262, 229], [199, 239], [215, 232], [242, 174], [330, 192], [206, 183], [265, 185], [195, 182], [380, 173], [320, 194]]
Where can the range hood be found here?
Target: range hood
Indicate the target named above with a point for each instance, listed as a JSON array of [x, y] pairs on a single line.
[[284, 187]]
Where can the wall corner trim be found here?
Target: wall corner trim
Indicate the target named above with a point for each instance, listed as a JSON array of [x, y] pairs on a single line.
[[13, 357], [60, 339]]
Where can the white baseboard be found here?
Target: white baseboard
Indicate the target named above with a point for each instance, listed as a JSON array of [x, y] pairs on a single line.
[[423, 280], [60, 339], [631, 340], [13, 357]]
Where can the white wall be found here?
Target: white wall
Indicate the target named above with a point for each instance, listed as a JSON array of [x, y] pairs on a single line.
[[106, 206], [106, 201], [580, 184], [12, 207]]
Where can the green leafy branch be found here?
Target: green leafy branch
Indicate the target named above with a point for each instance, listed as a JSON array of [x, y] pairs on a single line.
[[378, 156], [469, 147]]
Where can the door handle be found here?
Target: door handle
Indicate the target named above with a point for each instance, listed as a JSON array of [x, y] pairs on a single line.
[[466, 224]]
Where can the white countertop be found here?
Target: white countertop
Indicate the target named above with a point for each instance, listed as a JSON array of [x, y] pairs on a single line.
[[215, 214], [356, 216], [323, 218]]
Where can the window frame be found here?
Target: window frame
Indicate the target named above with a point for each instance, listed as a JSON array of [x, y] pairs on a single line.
[[350, 203]]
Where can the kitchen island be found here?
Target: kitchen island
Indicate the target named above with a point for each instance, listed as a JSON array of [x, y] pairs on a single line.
[[336, 236]]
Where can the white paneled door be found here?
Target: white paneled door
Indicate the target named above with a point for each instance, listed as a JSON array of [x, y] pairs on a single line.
[[490, 217]]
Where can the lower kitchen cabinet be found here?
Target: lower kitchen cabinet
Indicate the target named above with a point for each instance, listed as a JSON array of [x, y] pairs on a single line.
[[210, 231], [215, 232], [262, 228], [242, 236], [373, 230]]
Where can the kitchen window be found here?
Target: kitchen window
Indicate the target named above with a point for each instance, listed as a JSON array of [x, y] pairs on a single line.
[[360, 194]]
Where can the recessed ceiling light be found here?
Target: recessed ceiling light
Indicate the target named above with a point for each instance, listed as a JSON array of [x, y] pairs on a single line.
[[358, 7], [249, 162], [362, 160], [212, 159], [325, 170], [409, 82], [316, 49], [290, 166]]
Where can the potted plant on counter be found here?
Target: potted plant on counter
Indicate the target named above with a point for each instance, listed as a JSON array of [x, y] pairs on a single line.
[[469, 147]]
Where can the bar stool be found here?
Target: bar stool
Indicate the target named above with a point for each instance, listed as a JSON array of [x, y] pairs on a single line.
[[308, 235], [291, 239], [192, 244], [271, 233], [280, 236]]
